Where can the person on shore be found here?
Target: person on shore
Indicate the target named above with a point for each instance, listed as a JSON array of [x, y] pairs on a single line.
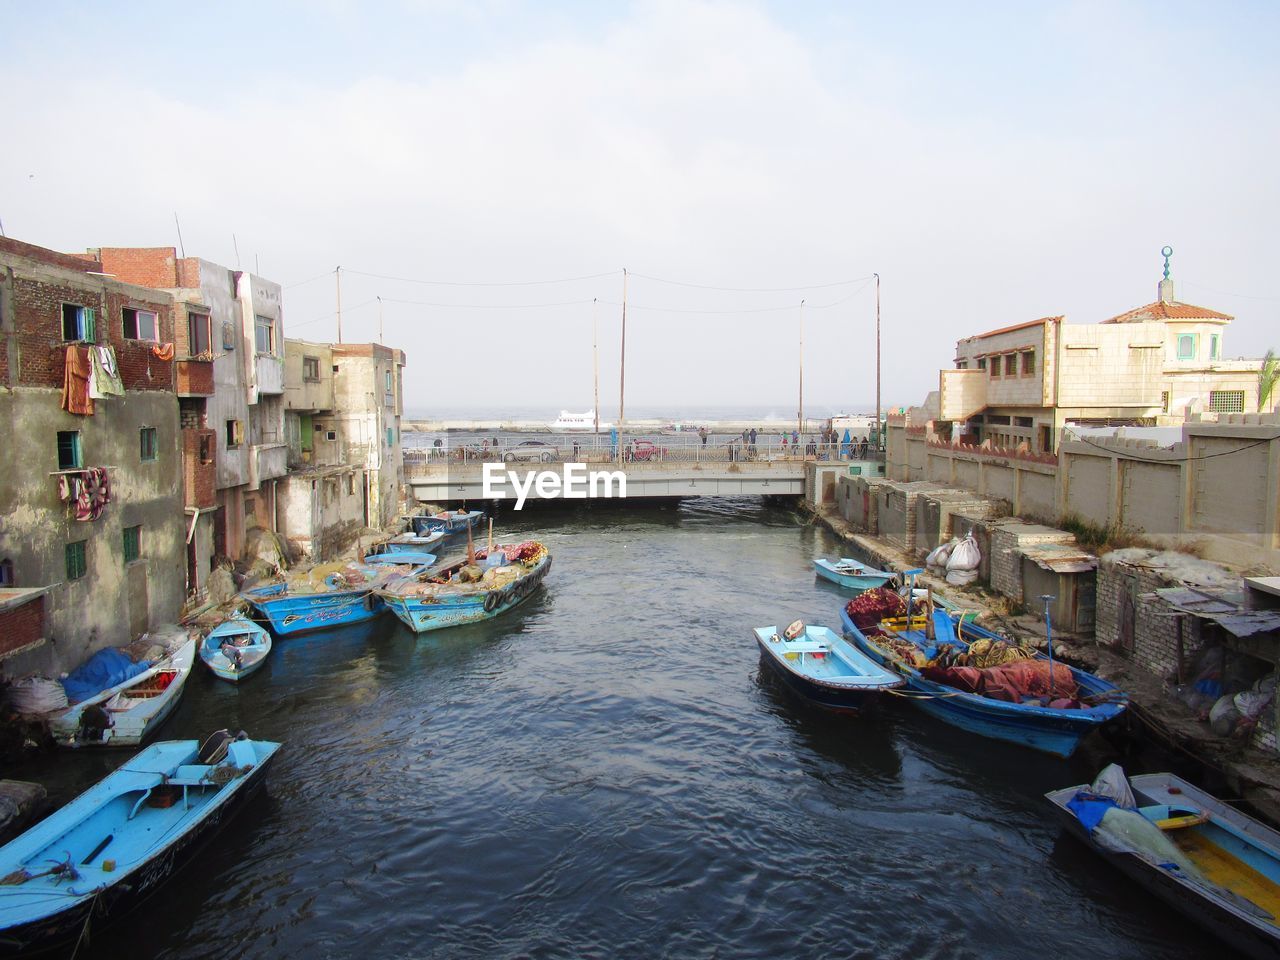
[[702, 435], [795, 438], [784, 444]]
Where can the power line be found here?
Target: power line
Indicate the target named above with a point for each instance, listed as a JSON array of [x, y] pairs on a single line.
[[1226, 293], [510, 283], [1208, 456], [486, 306], [702, 286], [301, 283]]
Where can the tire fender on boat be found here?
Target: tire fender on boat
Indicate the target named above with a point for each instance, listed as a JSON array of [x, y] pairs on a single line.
[[492, 600]]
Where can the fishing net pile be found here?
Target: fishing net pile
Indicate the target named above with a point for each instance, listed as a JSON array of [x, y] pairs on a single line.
[[509, 564], [345, 575], [870, 607]]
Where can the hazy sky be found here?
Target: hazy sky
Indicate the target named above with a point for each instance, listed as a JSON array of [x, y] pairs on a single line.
[[994, 163]]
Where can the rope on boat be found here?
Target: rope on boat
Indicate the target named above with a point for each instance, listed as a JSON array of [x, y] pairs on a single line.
[[921, 695]]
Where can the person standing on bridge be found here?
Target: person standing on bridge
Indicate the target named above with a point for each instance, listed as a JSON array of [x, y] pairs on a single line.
[[702, 435]]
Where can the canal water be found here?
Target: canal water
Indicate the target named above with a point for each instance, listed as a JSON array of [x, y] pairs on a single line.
[[606, 772]]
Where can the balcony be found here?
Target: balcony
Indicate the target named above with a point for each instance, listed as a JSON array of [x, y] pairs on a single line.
[[195, 378], [270, 374], [199, 468], [962, 393], [267, 461]]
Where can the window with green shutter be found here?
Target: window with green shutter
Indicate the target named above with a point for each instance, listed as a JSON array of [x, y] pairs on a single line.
[[147, 443], [69, 457], [132, 543], [76, 566]]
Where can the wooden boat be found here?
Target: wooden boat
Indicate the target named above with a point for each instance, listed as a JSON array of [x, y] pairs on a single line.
[[442, 599], [411, 542], [329, 596], [235, 648], [851, 574], [410, 557], [822, 667], [921, 597], [1056, 729], [127, 713], [102, 853], [1215, 865], [449, 522]]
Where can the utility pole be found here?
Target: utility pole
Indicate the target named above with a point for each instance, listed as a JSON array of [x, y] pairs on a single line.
[[379, 319], [877, 424], [800, 412], [622, 373], [595, 361], [337, 274]]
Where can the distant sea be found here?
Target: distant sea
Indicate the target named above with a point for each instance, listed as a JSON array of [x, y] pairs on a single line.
[[674, 414]]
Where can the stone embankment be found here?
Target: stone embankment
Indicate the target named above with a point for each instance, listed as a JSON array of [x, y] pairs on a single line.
[[1155, 715]]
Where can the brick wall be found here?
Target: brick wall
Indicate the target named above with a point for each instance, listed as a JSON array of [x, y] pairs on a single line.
[[199, 480], [68, 261], [21, 625], [1007, 541], [145, 266], [1154, 623]]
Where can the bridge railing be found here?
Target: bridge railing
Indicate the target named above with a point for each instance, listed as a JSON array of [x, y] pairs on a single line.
[[600, 449]]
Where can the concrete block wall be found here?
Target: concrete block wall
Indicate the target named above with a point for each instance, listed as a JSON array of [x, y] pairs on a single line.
[[1007, 540], [935, 513]]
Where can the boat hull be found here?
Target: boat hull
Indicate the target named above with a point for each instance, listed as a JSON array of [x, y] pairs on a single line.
[[1056, 732], [835, 697], [134, 886], [859, 581], [131, 727], [423, 614], [311, 612], [211, 650], [1252, 936], [454, 526]]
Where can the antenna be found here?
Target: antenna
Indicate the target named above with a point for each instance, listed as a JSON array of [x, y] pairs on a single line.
[[181, 248], [236, 247]]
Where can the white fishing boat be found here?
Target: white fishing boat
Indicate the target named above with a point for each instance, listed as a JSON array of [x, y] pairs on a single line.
[[578, 421]]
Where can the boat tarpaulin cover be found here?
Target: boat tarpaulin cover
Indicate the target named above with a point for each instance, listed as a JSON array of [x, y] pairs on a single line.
[[104, 669]]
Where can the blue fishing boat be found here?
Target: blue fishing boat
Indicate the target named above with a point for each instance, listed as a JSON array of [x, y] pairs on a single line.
[[102, 853], [449, 522], [398, 556], [235, 648], [461, 593], [411, 543], [330, 595], [822, 667], [1044, 705], [1212, 863], [851, 574]]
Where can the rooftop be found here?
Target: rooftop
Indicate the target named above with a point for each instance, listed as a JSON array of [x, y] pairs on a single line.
[[1168, 310]]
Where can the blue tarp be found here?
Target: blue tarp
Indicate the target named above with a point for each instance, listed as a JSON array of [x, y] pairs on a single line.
[[1090, 808], [104, 669]]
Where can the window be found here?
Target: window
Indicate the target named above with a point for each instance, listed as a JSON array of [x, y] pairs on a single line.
[[132, 543], [228, 335], [147, 444], [264, 334], [69, 457], [331, 435], [1186, 346], [982, 363], [962, 364], [390, 437], [995, 367], [390, 384], [1028, 363], [1213, 346], [1226, 401], [310, 368], [206, 449], [351, 484], [1164, 401], [1022, 421], [235, 434], [1010, 364], [76, 566], [6, 573], [77, 323], [139, 324], [198, 336]]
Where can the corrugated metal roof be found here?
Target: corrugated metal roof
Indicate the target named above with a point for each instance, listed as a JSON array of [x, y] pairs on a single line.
[[1060, 558], [1223, 607]]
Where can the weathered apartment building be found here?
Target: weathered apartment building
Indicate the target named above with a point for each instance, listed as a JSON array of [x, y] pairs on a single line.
[[91, 485], [231, 388], [343, 408], [1149, 366]]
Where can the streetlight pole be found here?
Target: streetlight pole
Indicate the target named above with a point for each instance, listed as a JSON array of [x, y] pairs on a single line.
[[877, 424], [337, 276], [622, 366], [800, 412]]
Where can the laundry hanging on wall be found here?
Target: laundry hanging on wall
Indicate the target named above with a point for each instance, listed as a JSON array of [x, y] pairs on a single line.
[[75, 382], [104, 380], [88, 491]]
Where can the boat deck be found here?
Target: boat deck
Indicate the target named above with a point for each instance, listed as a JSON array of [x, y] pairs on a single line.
[[1227, 870]]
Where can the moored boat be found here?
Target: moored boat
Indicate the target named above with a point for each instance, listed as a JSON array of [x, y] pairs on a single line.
[[1214, 864], [450, 523], [235, 648], [124, 714], [851, 574], [410, 543], [467, 593], [974, 680], [821, 666], [329, 595], [102, 853]]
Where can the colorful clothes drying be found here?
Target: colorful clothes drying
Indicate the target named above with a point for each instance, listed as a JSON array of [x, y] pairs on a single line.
[[163, 351], [104, 380], [75, 382], [90, 492]]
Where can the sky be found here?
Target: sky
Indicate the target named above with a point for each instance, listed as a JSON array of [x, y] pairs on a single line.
[[483, 173]]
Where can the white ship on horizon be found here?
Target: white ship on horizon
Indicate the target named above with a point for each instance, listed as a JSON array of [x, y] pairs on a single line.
[[578, 421]]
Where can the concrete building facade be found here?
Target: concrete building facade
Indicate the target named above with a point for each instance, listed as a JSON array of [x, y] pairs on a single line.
[[231, 328], [117, 572]]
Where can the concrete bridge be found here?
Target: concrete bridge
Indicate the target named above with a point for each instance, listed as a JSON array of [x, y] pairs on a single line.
[[442, 476]]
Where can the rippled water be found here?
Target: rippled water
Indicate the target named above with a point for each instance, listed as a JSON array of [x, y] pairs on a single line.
[[606, 772]]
